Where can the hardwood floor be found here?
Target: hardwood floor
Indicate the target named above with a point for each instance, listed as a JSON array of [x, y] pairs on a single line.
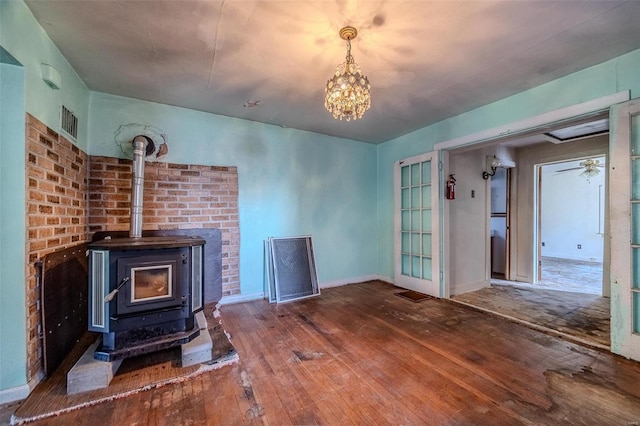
[[358, 354]]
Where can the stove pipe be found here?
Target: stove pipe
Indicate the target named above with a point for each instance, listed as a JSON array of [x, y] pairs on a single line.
[[139, 148]]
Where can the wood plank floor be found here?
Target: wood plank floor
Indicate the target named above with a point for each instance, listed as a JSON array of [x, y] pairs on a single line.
[[358, 354]]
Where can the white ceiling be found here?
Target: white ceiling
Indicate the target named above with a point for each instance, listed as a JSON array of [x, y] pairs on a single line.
[[426, 60]]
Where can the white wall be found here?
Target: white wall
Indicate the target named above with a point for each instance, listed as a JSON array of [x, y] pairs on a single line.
[[468, 225], [522, 195], [572, 209]]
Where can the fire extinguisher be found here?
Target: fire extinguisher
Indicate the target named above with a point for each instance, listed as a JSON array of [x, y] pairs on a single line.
[[451, 188]]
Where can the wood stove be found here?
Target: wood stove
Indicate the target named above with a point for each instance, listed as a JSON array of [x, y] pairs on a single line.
[[144, 293]]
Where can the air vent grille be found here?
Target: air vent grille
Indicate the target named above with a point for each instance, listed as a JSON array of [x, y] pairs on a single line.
[[69, 122]]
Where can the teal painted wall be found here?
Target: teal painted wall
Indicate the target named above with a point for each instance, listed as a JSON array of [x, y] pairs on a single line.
[[24, 39], [601, 80], [291, 182], [13, 364]]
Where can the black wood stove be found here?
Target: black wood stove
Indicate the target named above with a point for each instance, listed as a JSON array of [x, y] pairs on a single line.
[[144, 291]]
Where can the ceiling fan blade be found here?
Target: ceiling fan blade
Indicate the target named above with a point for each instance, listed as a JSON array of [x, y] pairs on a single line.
[[567, 170]]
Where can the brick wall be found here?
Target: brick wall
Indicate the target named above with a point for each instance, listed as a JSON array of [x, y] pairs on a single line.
[[56, 214], [70, 195], [176, 196]]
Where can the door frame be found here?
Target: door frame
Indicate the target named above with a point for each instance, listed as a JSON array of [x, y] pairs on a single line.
[[625, 336], [538, 123], [605, 287]]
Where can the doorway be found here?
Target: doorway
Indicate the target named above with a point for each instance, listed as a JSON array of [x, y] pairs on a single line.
[[520, 292], [500, 237], [571, 205]]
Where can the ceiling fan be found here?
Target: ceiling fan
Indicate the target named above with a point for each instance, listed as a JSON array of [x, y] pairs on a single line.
[[590, 168]]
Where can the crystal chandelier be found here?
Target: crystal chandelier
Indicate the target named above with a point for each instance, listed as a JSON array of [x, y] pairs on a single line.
[[347, 94]]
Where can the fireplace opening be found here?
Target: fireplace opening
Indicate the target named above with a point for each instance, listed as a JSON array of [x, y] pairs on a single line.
[[151, 283], [151, 279]]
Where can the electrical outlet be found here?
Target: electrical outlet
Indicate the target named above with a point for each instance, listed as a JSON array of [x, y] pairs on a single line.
[[473, 193], [579, 246], [543, 244]]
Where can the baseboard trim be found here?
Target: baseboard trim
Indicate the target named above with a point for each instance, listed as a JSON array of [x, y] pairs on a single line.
[[249, 297], [240, 298], [14, 394], [356, 280], [465, 288], [20, 392]]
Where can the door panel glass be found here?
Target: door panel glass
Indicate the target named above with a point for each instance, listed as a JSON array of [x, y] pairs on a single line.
[[405, 242], [426, 244], [406, 264], [415, 220], [415, 174], [415, 197], [426, 268], [635, 178], [406, 220], [426, 221], [405, 181], [426, 197], [415, 243], [405, 203], [636, 312], [635, 223], [635, 131], [415, 266], [635, 265], [426, 172]]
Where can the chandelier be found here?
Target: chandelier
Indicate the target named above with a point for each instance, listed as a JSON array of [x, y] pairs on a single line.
[[347, 94]]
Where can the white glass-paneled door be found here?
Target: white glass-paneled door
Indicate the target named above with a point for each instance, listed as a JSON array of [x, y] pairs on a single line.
[[624, 219], [416, 224]]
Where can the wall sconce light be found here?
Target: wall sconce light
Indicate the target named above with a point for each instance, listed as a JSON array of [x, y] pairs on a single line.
[[493, 164]]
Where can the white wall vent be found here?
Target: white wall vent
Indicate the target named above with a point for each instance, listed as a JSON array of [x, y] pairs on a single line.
[[69, 122]]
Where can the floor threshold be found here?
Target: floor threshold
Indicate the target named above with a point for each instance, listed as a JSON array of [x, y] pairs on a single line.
[[537, 327]]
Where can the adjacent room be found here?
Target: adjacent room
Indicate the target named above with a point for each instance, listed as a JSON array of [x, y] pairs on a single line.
[[319, 212], [564, 289]]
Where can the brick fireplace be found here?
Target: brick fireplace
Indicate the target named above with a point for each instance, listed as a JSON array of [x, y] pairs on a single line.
[[71, 196]]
